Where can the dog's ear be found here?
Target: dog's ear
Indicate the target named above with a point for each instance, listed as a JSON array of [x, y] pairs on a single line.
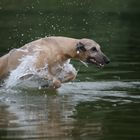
[[80, 47]]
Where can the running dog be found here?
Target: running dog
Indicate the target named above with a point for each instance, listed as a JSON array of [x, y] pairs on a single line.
[[55, 52]]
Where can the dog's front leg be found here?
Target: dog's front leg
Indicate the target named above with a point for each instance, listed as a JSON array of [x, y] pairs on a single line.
[[54, 71], [53, 82], [56, 83]]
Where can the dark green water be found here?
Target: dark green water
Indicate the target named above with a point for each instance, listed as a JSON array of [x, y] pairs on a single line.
[[100, 104]]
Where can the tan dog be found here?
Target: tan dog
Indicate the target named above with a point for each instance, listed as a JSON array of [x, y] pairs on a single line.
[[54, 51]]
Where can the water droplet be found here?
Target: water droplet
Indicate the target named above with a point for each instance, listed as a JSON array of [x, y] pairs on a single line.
[[41, 13], [84, 19], [10, 37]]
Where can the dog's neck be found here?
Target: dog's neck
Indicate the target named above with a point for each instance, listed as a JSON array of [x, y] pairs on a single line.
[[69, 46], [71, 52]]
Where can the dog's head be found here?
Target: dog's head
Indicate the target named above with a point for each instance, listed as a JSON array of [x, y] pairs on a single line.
[[89, 51]]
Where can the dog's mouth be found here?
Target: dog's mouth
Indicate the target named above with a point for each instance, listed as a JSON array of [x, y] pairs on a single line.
[[92, 60]]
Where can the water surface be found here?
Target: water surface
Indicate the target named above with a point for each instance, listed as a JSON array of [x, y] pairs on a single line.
[[101, 104]]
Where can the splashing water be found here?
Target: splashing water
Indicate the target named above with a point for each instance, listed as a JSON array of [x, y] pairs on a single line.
[[25, 68], [27, 75]]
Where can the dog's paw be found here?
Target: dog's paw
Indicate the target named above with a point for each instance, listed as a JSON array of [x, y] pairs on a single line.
[[56, 84]]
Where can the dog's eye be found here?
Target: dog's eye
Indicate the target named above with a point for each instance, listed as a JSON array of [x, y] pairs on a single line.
[[94, 49]]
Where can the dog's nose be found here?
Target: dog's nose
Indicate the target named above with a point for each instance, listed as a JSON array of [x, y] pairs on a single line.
[[107, 61]]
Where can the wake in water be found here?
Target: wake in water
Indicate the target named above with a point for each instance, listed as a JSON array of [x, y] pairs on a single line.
[[27, 75]]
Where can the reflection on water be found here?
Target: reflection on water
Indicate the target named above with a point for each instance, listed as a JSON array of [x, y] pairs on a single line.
[[100, 104], [82, 109]]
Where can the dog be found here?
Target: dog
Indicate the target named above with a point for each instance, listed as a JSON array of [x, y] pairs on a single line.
[[55, 51]]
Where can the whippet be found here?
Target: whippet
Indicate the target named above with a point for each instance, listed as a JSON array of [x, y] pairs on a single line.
[[55, 52]]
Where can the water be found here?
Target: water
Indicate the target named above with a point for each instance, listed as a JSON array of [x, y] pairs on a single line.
[[101, 104]]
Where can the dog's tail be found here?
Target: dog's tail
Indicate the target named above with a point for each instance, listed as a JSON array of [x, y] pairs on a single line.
[[3, 65]]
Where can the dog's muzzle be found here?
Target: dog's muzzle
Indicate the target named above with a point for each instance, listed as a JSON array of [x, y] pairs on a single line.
[[99, 62]]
